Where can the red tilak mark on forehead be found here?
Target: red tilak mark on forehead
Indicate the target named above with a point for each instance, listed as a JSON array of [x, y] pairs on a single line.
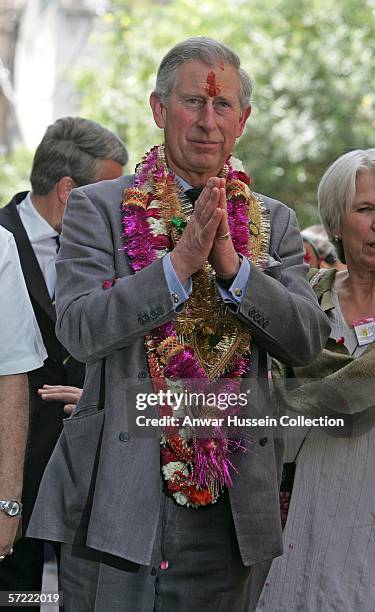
[[212, 88], [222, 65]]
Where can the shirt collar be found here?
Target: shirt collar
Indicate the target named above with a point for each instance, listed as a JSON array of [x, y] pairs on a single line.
[[182, 183], [37, 228]]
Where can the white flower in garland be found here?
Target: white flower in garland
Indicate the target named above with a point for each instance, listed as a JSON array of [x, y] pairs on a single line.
[[182, 499], [170, 468], [157, 226], [154, 204], [236, 164]]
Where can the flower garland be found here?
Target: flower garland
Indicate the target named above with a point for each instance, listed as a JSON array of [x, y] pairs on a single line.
[[205, 345]]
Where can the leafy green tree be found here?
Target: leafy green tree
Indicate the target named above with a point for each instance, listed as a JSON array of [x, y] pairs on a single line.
[[312, 62], [14, 173]]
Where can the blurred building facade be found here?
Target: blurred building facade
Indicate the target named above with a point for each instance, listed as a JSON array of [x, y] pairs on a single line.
[[40, 43], [9, 21]]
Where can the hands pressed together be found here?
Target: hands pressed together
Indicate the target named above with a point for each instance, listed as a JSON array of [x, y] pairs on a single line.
[[206, 236]]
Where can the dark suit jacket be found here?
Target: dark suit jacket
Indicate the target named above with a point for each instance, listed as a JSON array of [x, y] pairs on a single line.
[[45, 417]]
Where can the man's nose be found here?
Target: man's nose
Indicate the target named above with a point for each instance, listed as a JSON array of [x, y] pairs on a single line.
[[207, 117]]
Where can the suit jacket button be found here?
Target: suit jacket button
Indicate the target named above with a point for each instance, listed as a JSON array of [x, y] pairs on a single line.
[[142, 374], [263, 441], [124, 436]]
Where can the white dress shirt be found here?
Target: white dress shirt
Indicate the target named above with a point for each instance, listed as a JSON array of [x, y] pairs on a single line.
[[42, 237], [21, 345]]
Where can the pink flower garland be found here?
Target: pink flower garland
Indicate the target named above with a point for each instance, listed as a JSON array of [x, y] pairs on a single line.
[[143, 246]]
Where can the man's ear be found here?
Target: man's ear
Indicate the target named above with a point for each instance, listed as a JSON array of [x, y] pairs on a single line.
[[243, 118], [63, 187], [158, 110]]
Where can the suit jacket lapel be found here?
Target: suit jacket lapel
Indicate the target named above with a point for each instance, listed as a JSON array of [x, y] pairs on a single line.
[[34, 278]]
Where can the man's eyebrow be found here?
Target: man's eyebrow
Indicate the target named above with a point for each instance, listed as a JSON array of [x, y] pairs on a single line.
[[193, 95], [203, 97], [225, 99]]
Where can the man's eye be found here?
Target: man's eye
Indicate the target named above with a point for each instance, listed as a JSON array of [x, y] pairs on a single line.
[[222, 104], [193, 101]]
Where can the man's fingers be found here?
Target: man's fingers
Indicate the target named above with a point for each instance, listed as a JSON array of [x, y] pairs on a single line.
[[210, 194], [209, 230], [223, 228], [206, 206], [60, 392], [58, 388], [63, 394], [68, 408], [222, 198]]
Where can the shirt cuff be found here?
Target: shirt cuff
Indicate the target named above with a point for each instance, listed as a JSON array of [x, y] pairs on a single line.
[[179, 293], [234, 295]]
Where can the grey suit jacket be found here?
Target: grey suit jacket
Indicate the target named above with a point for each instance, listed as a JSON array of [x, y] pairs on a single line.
[[102, 486]]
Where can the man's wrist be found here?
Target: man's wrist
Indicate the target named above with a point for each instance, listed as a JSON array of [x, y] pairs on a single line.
[[180, 269], [225, 283], [10, 492], [226, 277], [11, 506]]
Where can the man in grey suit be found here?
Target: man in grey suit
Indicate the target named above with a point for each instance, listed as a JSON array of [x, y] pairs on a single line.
[[73, 152], [164, 298]]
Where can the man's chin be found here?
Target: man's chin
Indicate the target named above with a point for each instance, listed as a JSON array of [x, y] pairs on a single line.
[[206, 162]]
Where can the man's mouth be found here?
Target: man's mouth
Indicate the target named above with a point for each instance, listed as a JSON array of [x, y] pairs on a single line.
[[204, 143]]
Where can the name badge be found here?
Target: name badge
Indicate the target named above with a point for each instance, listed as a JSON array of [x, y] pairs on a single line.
[[365, 330]]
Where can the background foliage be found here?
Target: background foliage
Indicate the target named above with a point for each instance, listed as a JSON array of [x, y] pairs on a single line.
[[312, 62], [14, 173]]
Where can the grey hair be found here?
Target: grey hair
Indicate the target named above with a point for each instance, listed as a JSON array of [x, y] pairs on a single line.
[[73, 146], [337, 187], [205, 50], [316, 236]]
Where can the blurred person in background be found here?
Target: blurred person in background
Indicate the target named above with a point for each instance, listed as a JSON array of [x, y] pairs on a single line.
[[329, 538], [21, 350], [73, 152], [319, 251]]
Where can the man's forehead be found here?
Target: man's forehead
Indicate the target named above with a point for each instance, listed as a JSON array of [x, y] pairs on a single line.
[[212, 80]]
